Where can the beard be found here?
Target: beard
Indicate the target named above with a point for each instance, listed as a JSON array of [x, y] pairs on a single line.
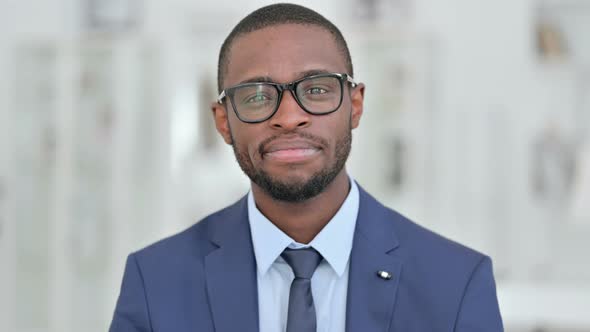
[[296, 190]]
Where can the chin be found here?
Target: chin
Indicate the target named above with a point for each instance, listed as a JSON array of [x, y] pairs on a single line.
[[292, 175]]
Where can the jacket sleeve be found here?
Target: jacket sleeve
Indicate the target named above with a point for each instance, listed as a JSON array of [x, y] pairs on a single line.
[[131, 313], [479, 310]]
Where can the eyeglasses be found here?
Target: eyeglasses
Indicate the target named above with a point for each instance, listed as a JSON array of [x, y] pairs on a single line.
[[317, 94]]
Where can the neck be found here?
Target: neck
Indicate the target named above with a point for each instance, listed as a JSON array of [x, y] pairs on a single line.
[[302, 221]]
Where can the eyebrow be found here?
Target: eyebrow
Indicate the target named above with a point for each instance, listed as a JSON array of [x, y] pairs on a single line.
[[268, 79], [257, 79]]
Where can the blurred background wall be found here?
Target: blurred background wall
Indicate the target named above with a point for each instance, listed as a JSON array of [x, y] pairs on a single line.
[[477, 117]]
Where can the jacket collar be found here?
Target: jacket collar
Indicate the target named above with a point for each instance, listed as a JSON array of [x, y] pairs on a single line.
[[230, 271]]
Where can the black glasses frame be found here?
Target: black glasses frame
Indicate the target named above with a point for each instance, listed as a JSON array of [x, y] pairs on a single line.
[[292, 86]]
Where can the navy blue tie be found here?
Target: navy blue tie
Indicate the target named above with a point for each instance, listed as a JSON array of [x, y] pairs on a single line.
[[301, 316]]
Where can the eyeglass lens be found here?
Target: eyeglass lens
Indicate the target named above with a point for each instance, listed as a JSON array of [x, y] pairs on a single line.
[[316, 94]]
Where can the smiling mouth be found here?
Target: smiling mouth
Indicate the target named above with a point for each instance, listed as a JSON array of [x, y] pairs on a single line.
[[289, 149]]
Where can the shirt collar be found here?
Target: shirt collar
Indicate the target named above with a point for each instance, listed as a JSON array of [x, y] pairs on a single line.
[[334, 242]]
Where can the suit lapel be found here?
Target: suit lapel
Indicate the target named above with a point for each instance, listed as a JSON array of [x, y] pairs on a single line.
[[231, 272], [371, 299]]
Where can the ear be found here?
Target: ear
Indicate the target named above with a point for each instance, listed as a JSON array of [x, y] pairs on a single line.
[[221, 121], [357, 96]]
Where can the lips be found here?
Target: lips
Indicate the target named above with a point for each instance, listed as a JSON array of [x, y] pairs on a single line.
[[290, 150]]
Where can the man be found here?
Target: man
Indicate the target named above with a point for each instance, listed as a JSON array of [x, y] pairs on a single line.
[[306, 249]]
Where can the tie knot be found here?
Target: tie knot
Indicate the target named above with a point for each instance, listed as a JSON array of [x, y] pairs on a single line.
[[303, 262]]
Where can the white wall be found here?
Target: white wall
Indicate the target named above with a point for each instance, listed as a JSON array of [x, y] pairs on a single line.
[[481, 96]]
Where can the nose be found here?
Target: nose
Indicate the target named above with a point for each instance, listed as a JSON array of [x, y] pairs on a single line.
[[290, 115]]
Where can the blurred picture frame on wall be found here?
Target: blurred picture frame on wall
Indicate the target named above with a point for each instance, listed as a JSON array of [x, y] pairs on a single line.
[[401, 110], [551, 43], [383, 12], [561, 28], [32, 166], [94, 126], [112, 15]]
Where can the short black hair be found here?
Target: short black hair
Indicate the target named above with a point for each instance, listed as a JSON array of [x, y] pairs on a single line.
[[277, 14]]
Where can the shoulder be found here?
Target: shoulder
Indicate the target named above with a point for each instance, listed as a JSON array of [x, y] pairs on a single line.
[[435, 269], [421, 247], [451, 281], [428, 247], [193, 243]]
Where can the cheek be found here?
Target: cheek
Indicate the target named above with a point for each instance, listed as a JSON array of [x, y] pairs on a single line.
[[339, 125], [245, 138]]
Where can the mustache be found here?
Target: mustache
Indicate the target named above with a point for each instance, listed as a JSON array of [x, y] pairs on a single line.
[[301, 135]]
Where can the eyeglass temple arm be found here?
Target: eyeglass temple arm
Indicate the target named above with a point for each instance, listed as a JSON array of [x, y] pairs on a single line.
[[220, 97], [351, 81]]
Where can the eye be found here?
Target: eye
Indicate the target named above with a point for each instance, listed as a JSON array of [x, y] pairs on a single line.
[[256, 99], [316, 90]]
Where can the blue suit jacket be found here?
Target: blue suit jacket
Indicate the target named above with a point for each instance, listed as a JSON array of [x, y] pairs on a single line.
[[204, 279]]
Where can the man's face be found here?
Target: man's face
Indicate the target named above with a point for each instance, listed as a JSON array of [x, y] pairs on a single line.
[[294, 155]]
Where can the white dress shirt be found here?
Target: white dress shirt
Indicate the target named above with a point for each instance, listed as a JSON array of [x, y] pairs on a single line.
[[330, 281]]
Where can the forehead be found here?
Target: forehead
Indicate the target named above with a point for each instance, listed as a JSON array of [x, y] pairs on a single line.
[[282, 52]]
